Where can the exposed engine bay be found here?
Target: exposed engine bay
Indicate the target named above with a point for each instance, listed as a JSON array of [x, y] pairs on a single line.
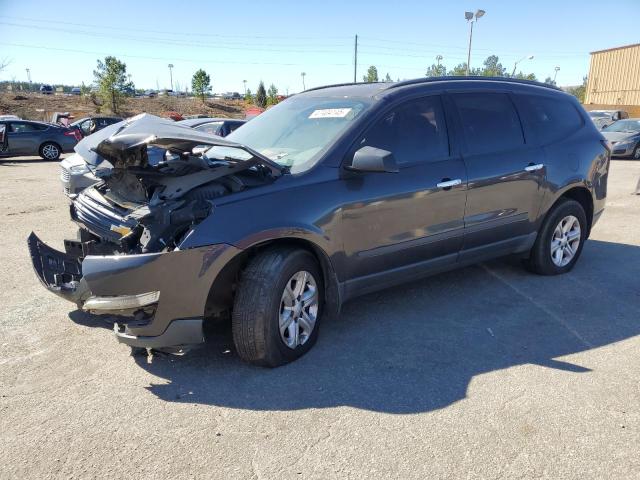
[[140, 207]]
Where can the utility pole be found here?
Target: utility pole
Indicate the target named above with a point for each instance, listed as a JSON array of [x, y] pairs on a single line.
[[171, 74], [355, 61], [29, 77], [555, 74], [303, 74], [245, 86]]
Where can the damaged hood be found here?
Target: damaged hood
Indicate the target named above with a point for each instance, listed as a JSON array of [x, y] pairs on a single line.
[[123, 144]]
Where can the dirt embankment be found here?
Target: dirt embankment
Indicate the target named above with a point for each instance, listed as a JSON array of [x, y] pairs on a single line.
[[35, 106]]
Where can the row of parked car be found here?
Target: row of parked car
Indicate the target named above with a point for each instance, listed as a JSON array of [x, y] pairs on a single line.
[[622, 132]]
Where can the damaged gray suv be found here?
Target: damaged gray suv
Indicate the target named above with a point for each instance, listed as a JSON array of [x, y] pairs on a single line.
[[333, 193]]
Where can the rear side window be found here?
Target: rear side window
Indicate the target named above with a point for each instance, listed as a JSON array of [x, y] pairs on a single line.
[[551, 118], [19, 127], [490, 122], [414, 132]]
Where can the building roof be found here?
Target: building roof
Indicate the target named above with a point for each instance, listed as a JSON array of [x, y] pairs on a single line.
[[615, 48]]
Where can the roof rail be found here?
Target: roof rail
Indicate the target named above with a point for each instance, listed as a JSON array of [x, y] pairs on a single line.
[[418, 81], [347, 84]]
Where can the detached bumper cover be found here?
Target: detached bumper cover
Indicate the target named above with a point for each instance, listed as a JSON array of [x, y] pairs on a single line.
[[182, 278]]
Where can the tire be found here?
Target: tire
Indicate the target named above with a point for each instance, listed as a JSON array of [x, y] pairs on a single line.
[[50, 151], [258, 303], [636, 153], [540, 259]]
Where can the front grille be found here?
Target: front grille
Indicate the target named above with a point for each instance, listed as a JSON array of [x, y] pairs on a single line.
[[65, 175], [98, 215]]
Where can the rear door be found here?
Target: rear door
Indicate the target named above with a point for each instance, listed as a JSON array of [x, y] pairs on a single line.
[[506, 174], [410, 221], [24, 138]]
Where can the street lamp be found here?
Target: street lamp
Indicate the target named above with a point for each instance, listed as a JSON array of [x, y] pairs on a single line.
[[29, 77], [303, 74], [528, 57], [438, 59], [171, 75], [555, 74], [245, 87], [471, 19]]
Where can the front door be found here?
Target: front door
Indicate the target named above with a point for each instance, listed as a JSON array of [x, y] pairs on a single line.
[[506, 175], [23, 139], [395, 224]]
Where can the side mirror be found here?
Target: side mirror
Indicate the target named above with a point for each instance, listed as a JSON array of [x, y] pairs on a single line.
[[371, 159]]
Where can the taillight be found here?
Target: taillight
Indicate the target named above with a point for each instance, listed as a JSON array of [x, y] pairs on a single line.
[[73, 133]]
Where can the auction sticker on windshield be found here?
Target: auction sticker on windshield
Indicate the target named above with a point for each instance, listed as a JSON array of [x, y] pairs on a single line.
[[330, 113]]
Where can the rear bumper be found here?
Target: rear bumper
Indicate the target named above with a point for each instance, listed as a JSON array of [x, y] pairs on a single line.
[[182, 279]]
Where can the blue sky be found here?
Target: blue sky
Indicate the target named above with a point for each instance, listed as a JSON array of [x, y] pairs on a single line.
[[276, 40]]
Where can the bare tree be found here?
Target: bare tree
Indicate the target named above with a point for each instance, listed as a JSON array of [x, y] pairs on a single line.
[[4, 63]]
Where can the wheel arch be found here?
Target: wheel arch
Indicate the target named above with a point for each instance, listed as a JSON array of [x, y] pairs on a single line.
[[583, 196], [220, 299]]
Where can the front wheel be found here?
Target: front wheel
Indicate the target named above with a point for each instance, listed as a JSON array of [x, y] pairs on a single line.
[[277, 307], [636, 152], [560, 240]]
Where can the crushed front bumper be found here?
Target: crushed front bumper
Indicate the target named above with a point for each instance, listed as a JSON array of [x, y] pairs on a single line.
[[162, 295]]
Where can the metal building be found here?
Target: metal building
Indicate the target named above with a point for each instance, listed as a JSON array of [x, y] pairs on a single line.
[[614, 77]]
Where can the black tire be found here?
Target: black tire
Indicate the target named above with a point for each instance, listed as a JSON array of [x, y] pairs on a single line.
[[256, 308], [539, 260], [636, 153], [50, 145]]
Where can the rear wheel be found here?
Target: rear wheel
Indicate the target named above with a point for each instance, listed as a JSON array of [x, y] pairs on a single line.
[[636, 152], [277, 308], [50, 151], [560, 240]]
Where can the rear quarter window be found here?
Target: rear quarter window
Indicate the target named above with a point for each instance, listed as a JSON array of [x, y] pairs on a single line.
[[551, 118]]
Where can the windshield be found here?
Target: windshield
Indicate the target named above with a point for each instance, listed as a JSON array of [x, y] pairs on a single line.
[[624, 126], [295, 132], [598, 114]]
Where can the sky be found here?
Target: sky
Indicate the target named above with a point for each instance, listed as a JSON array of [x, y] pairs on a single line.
[[276, 40]]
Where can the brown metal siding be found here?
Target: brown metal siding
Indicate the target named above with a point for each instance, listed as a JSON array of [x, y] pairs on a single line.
[[614, 77]]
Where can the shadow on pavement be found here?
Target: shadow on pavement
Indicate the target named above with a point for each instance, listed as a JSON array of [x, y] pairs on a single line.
[[415, 348]]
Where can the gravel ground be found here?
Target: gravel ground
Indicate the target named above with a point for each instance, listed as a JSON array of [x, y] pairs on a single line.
[[485, 372]]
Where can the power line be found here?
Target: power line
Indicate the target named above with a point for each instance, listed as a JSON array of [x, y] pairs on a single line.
[[179, 43], [48, 21], [172, 58]]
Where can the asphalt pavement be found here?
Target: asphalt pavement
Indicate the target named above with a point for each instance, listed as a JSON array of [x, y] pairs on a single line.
[[484, 372]]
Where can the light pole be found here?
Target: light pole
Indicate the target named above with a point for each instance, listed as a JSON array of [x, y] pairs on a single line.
[[29, 77], [557, 69], [528, 57], [303, 74], [245, 87], [171, 75], [471, 19]]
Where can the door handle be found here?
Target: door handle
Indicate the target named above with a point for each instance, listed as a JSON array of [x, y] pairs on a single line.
[[446, 183], [532, 167]]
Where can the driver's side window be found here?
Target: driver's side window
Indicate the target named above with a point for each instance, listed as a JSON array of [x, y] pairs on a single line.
[[415, 132]]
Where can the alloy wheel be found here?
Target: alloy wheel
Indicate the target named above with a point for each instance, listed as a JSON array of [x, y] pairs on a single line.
[[50, 152], [298, 309], [565, 241]]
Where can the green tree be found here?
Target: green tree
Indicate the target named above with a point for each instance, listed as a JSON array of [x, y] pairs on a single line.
[[201, 84], [371, 76], [112, 81], [247, 96], [388, 79], [579, 91], [493, 67], [549, 81], [272, 95], [436, 70], [526, 76], [261, 95], [459, 70]]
